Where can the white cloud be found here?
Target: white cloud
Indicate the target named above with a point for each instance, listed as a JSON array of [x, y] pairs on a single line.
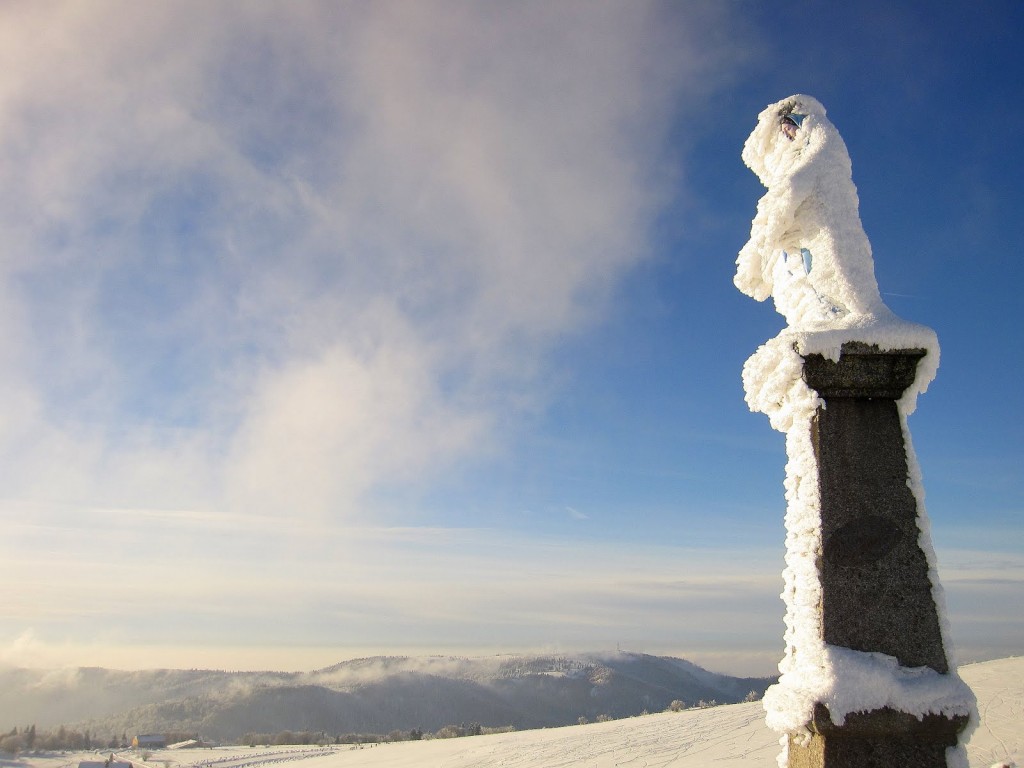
[[263, 260], [319, 433], [213, 583], [275, 257], [20, 651]]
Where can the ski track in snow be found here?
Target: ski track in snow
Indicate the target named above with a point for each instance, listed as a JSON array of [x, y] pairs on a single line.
[[733, 736], [999, 686]]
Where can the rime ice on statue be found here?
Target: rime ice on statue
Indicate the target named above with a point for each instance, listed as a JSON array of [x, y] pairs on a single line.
[[867, 678]]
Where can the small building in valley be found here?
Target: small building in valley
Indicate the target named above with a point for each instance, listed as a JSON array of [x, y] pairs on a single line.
[[149, 741]]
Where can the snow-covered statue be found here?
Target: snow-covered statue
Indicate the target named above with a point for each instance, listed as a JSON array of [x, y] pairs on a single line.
[[808, 251], [807, 248]]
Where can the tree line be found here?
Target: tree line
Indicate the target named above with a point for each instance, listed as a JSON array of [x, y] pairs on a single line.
[[416, 734], [28, 739]]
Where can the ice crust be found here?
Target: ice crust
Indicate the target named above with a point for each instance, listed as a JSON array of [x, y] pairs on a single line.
[[808, 251]]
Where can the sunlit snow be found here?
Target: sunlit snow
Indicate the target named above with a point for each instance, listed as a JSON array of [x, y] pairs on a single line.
[[733, 736]]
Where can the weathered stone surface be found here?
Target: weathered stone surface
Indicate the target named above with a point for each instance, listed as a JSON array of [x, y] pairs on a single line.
[[889, 722], [838, 751], [878, 739], [874, 576], [876, 592], [863, 370]]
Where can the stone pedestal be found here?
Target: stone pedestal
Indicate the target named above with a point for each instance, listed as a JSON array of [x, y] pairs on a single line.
[[876, 592], [883, 738]]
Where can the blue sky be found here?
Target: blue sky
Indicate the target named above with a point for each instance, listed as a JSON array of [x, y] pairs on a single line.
[[341, 329]]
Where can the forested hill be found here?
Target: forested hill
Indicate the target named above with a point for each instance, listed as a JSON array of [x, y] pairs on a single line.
[[365, 695]]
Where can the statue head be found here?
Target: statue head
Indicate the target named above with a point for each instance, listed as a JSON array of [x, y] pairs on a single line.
[[788, 134]]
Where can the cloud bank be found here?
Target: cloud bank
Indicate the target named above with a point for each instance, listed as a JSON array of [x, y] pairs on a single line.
[[268, 258], [263, 262]]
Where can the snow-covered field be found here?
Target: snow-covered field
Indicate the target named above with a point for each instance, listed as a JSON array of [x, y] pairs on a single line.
[[732, 736]]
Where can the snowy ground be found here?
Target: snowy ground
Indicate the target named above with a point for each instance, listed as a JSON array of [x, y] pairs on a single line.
[[725, 737]]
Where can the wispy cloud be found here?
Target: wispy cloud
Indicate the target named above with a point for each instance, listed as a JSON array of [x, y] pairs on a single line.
[[266, 259], [262, 261], [366, 588]]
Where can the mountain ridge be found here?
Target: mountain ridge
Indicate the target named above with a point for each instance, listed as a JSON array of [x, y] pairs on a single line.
[[371, 694]]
